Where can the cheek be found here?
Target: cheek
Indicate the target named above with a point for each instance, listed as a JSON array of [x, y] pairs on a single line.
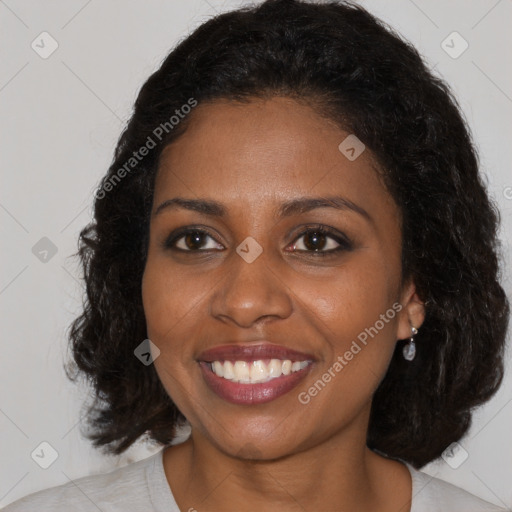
[[352, 298], [164, 306], [175, 302], [168, 297], [168, 311], [353, 310]]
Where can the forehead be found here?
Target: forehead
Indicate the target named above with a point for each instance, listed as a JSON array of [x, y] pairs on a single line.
[[265, 151]]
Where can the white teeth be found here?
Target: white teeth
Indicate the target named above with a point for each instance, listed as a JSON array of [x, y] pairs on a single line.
[[241, 369], [218, 368], [296, 366], [228, 370], [274, 368], [256, 371]]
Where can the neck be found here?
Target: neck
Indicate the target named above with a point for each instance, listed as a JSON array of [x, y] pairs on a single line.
[[340, 474]]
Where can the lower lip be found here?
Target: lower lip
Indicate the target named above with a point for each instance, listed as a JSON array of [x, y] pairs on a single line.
[[251, 394]]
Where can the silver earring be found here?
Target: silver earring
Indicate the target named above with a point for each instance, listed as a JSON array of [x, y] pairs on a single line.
[[409, 350]]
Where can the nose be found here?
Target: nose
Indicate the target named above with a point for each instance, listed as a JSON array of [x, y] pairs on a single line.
[[250, 292]]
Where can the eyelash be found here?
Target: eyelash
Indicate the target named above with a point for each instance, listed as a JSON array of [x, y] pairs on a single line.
[[344, 243]]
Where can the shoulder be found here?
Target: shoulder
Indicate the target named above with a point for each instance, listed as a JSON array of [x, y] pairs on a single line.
[[121, 489], [430, 494]]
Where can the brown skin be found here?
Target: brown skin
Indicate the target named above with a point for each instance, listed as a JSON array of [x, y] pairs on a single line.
[[281, 455]]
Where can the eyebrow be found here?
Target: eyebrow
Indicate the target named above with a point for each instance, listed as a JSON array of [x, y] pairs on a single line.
[[292, 207]]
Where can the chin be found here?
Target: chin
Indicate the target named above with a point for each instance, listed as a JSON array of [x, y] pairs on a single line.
[[253, 441]]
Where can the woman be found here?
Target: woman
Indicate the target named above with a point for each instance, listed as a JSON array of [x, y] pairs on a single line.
[[293, 253]]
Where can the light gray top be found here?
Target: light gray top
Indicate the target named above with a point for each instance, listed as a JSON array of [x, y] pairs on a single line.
[[142, 487]]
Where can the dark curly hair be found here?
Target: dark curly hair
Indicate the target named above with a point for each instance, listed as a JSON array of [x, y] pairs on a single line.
[[356, 71]]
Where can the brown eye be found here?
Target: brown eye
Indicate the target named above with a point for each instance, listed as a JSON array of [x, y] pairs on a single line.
[[314, 241], [192, 240], [321, 241]]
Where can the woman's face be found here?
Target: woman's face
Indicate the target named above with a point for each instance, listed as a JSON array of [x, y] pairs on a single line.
[[257, 287]]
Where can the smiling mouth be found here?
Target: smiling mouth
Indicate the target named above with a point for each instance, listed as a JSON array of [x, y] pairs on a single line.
[[250, 374], [253, 382], [254, 372]]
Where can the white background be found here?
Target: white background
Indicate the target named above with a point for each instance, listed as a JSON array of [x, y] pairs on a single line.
[[61, 118]]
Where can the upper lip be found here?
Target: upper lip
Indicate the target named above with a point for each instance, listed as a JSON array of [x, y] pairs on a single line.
[[265, 350]]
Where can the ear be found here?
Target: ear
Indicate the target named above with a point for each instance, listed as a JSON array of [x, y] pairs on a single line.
[[412, 313]]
